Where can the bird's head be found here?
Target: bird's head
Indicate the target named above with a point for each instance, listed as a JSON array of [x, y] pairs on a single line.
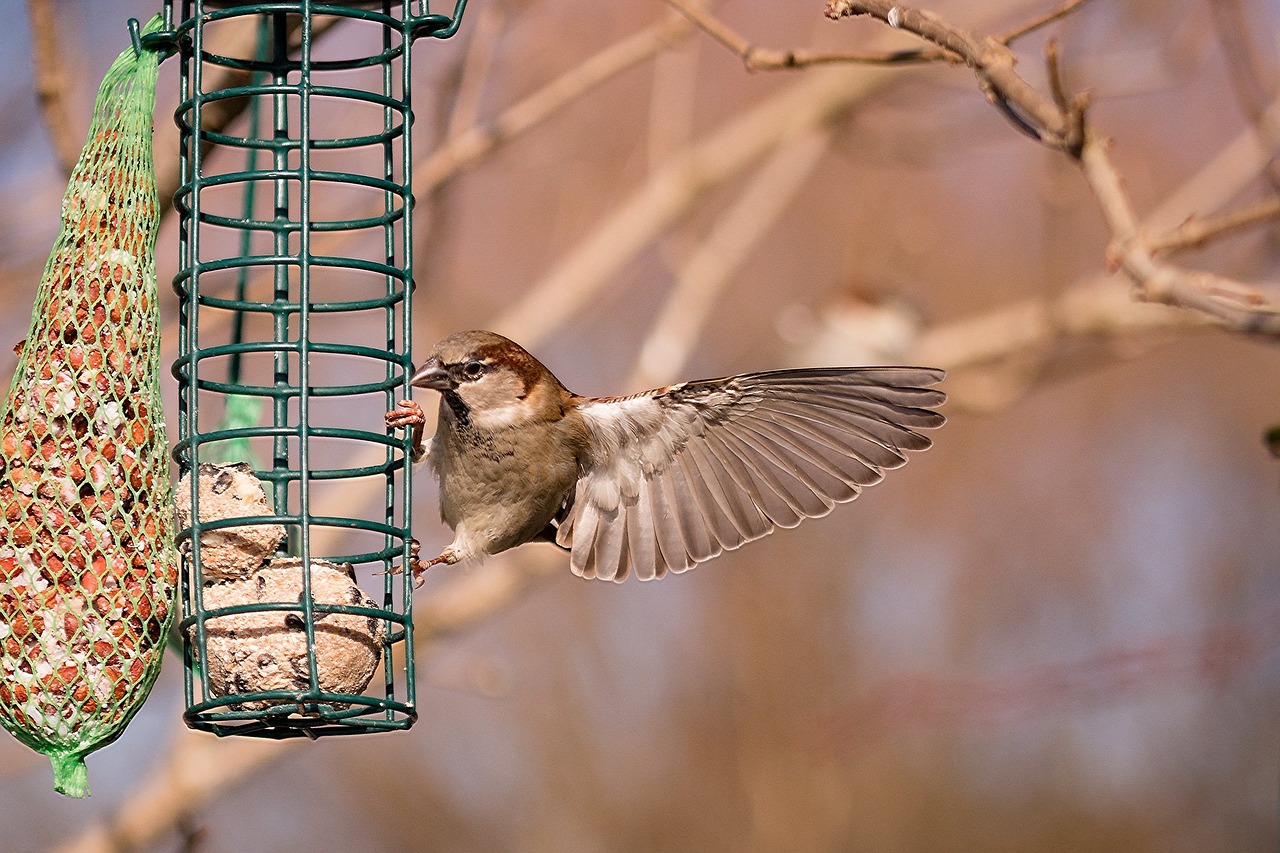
[[490, 381]]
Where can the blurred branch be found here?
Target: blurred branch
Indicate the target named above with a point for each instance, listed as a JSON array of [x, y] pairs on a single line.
[[471, 597], [671, 191], [994, 357], [198, 767], [1059, 122], [1220, 179], [479, 141], [486, 29], [682, 180], [1246, 72], [998, 356], [681, 323], [1196, 232], [757, 58], [51, 84]]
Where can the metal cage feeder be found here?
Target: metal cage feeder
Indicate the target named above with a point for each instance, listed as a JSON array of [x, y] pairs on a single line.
[[294, 285]]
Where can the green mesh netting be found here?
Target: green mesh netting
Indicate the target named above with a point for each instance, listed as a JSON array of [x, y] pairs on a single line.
[[87, 565]]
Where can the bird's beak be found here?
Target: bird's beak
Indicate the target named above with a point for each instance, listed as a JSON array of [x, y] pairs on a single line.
[[433, 375]]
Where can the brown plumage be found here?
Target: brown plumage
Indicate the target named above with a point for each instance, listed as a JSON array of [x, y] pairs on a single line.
[[657, 481]]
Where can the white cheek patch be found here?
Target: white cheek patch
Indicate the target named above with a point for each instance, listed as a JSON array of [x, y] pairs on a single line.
[[495, 401], [499, 417]]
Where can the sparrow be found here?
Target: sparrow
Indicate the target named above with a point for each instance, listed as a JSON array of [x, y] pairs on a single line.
[[658, 481]]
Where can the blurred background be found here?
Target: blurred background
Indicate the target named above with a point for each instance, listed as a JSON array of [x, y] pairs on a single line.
[[1059, 629]]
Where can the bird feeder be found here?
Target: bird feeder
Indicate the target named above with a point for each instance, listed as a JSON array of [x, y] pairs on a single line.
[[294, 284]]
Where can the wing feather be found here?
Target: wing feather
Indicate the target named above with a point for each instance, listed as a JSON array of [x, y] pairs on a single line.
[[701, 514], [642, 535], [675, 476], [672, 540], [772, 482]]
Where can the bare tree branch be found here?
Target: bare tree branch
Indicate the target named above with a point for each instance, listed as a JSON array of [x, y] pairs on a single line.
[[998, 355], [757, 58], [1196, 232], [1243, 307]]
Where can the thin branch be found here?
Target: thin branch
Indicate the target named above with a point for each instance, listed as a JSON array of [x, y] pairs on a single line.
[[1039, 23], [1243, 307], [1222, 178], [1240, 306], [1196, 232], [757, 58], [768, 59], [52, 84]]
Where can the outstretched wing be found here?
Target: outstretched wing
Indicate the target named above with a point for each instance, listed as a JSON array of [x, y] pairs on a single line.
[[677, 475]]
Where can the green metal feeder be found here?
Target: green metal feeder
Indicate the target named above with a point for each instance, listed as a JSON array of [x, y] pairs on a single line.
[[294, 281]]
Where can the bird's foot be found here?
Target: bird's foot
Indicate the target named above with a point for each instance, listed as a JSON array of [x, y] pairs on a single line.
[[406, 414], [418, 567]]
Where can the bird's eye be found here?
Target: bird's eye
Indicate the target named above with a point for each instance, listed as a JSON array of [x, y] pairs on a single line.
[[473, 369]]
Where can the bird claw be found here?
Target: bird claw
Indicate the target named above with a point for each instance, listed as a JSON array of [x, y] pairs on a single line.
[[407, 414], [418, 568]]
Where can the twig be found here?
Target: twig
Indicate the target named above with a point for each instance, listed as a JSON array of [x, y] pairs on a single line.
[[1196, 232], [1222, 178], [51, 84], [1243, 307], [757, 58], [1240, 306], [767, 59], [1040, 22]]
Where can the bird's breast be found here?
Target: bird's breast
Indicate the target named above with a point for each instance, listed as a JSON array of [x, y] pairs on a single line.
[[501, 488]]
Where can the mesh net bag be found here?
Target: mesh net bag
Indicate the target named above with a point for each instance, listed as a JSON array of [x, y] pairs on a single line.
[[87, 564]]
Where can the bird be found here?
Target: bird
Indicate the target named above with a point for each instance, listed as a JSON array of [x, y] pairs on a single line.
[[653, 482]]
